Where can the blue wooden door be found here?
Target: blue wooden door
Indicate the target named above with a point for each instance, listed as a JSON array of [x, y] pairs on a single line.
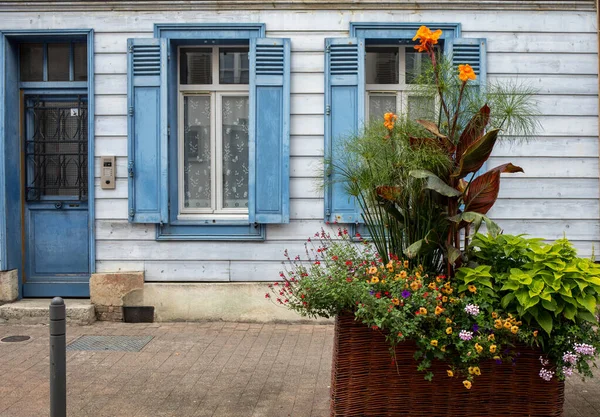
[[55, 203]]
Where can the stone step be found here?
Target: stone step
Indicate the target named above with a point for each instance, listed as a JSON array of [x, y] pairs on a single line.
[[36, 311]]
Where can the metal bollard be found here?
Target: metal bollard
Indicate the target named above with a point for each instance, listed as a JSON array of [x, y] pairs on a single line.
[[58, 358]]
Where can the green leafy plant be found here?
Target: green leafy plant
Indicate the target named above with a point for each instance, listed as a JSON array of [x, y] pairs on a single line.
[[542, 283]]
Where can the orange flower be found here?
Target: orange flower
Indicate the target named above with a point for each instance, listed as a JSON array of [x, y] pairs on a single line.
[[438, 310], [426, 38], [467, 384], [422, 310], [389, 119], [465, 72]]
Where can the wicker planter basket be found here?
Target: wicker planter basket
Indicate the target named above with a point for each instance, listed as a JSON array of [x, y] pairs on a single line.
[[365, 383]]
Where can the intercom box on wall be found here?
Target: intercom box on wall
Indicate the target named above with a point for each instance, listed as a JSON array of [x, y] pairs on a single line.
[[107, 172]]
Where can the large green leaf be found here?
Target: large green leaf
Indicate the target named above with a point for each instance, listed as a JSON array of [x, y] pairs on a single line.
[[587, 316], [507, 299], [476, 154], [570, 311], [545, 320], [435, 183], [474, 129], [453, 253], [588, 301], [483, 190]]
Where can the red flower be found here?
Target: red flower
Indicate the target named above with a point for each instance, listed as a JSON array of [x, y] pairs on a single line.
[[334, 258], [374, 327], [317, 263], [267, 295], [386, 293], [348, 279], [378, 295], [357, 234], [348, 263]]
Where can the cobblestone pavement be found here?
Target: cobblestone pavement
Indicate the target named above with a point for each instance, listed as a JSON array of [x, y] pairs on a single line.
[[194, 369]]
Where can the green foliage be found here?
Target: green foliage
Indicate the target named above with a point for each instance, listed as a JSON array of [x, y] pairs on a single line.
[[542, 283]]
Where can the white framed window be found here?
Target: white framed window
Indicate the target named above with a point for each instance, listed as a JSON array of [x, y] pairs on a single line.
[[213, 112], [391, 74]]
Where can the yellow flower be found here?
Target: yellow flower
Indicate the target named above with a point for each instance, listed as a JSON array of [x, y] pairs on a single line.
[[383, 281], [514, 329], [448, 320], [477, 371], [406, 264], [465, 72], [395, 301], [450, 373], [414, 285], [493, 349], [443, 348], [507, 324], [535, 333], [402, 274], [498, 324], [472, 288], [434, 343], [427, 38], [397, 277], [471, 370], [478, 347], [372, 270], [431, 286], [492, 337], [390, 264], [448, 330], [374, 280], [389, 119], [422, 310], [444, 299], [494, 315], [438, 310], [497, 358], [467, 384]]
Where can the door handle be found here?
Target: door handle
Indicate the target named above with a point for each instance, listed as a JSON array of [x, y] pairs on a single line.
[[58, 205]]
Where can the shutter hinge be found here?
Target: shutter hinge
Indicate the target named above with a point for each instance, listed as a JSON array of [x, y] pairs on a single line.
[[328, 49], [131, 213], [131, 111], [130, 49], [328, 110], [169, 56], [130, 169], [328, 212], [169, 132]]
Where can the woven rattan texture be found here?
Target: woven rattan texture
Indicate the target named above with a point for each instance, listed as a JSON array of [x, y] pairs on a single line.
[[365, 383]]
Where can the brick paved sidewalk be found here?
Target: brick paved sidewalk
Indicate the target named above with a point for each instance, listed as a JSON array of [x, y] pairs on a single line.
[[194, 369]]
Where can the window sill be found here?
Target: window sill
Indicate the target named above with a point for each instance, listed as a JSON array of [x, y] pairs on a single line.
[[219, 231]]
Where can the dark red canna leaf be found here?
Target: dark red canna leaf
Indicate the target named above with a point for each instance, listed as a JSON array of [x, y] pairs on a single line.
[[473, 131], [483, 191], [387, 192], [417, 143], [476, 154]]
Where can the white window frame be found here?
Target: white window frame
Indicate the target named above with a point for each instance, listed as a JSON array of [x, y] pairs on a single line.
[[216, 92], [402, 91]]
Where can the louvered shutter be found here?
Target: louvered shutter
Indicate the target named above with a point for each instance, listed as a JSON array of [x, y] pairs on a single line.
[[269, 148], [344, 114], [147, 130], [470, 51]]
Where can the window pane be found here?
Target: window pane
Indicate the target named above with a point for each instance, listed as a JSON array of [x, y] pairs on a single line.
[[421, 108], [380, 105], [382, 66], [235, 152], [233, 66], [58, 61], [80, 61], [416, 66], [31, 62], [196, 66], [196, 152]]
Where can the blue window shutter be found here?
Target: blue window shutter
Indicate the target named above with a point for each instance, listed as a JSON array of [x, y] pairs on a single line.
[[269, 124], [344, 114], [471, 51], [147, 130]]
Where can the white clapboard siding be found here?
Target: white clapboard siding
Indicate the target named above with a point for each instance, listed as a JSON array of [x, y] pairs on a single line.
[[317, 20], [548, 146], [553, 52]]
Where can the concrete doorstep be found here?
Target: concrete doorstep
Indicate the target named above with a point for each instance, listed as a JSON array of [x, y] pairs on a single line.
[[35, 311]]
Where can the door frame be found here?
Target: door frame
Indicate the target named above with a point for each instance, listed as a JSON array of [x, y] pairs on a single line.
[[11, 221]]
